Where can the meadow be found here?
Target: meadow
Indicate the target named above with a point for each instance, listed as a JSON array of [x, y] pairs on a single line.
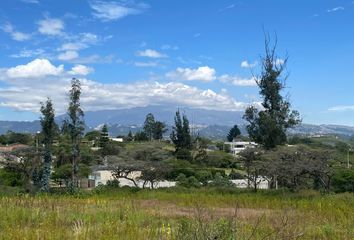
[[177, 214]]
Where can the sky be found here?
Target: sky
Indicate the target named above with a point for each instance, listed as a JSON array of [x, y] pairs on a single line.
[[196, 53]]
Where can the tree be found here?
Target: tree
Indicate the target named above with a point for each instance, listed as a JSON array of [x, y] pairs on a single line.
[[23, 164], [299, 167], [253, 164], [149, 126], [268, 126], [158, 130], [150, 160], [233, 133], [75, 127], [104, 137], [49, 129], [141, 136], [181, 137]]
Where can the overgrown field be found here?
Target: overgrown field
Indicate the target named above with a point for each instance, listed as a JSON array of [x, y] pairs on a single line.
[[178, 214]]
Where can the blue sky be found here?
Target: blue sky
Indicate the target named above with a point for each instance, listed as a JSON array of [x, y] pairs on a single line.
[[184, 53]]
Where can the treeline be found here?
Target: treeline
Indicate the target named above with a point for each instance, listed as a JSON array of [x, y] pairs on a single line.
[[66, 154]]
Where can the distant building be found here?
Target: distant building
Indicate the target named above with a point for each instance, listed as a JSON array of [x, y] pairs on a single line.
[[262, 183], [12, 147], [117, 139], [237, 146]]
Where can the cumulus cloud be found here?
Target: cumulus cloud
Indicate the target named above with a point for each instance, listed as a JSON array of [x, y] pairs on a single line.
[[238, 81], [187, 74], [15, 35], [51, 26], [68, 55], [51, 81], [109, 11], [151, 54], [80, 69], [342, 108], [246, 64], [36, 68]]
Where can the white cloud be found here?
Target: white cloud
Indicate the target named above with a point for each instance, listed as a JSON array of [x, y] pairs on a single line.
[[279, 61], [31, 1], [187, 74], [72, 46], [237, 81], [34, 69], [146, 64], [68, 55], [28, 53], [80, 70], [335, 9], [15, 35], [51, 81], [151, 54], [227, 8], [51, 26], [246, 64], [169, 47], [342, 108], [109, 11]]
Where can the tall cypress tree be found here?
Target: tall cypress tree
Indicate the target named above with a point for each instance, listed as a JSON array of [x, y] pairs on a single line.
[[75, 127], [268, 126], [181, 137], [49, 129], [149, 126]]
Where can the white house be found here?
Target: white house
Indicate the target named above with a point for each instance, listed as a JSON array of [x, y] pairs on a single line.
[[238, 146], [101, 177], [116, 139]]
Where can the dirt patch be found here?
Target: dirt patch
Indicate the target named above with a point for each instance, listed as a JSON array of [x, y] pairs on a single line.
[[165, 209]]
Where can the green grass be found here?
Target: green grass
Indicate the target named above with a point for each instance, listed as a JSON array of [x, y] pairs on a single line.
[[178, 214]]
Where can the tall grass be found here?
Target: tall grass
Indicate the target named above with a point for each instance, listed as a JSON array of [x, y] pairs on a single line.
[[178, 214]]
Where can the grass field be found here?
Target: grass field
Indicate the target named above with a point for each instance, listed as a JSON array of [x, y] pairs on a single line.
[[178, 214]]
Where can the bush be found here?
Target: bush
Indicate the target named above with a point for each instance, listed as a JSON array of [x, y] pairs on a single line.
[[190, 182], [343, 180], [220, 181], [235, 175], [113, 183]]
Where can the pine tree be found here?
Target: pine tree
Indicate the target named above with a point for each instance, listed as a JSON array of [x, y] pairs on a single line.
[[268, 127], [104, 136], [49, 129], [233, 133]]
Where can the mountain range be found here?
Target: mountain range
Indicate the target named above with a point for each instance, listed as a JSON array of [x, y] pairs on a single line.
[[209, 123]]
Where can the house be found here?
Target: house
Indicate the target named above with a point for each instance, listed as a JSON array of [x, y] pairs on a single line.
[[101, 177], [262, 183], [238, 146], [116, 139]]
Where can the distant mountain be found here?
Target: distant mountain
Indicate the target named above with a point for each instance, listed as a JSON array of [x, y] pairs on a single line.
[[209, 123], [162, 113], [15, 126]]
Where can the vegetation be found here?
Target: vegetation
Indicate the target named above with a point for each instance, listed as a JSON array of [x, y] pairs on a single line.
[[111, 213], [313, 178], [268, 127], [233, 133]]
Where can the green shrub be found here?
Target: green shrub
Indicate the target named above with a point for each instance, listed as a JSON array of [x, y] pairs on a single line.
[[343, 180]]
